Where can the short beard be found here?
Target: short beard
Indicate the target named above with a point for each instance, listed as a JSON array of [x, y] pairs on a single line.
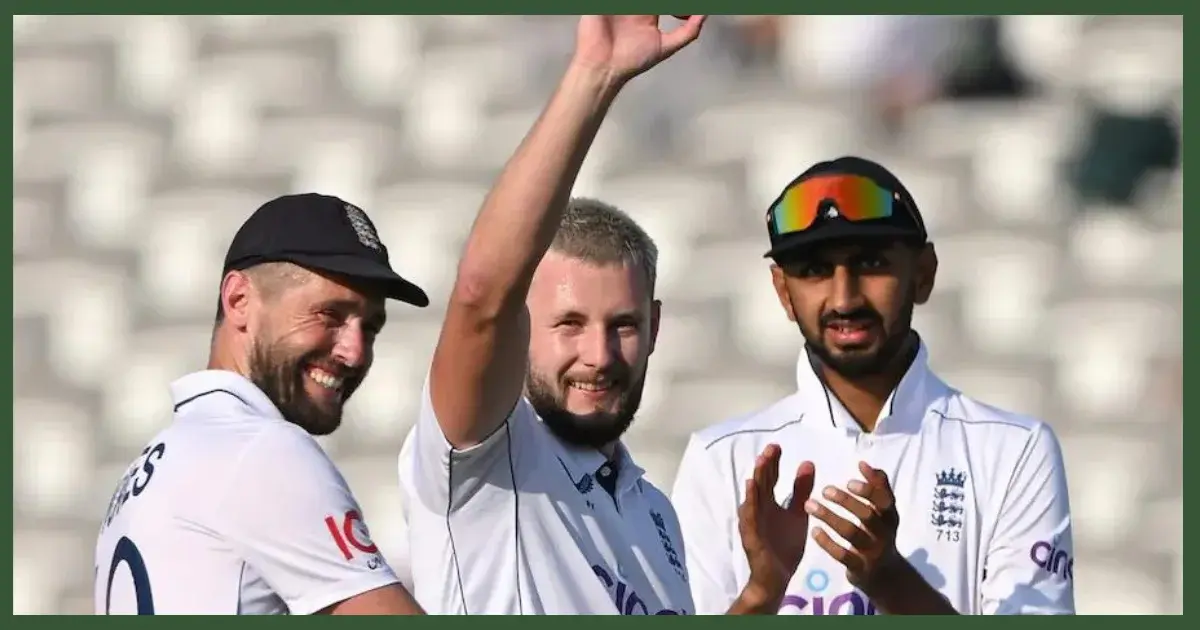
[[862, 366], [281, 377], [593, 430]]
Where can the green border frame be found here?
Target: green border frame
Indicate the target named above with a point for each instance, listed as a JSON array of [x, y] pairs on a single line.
[[715, 7]]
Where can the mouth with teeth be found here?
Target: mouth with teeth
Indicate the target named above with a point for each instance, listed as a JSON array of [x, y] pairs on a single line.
[[326, 380], [592, 387], [595, 391], [850, 332]]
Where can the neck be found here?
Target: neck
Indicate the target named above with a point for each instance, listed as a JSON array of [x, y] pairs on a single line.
[[609, 451], [221, 357], [865, 396]]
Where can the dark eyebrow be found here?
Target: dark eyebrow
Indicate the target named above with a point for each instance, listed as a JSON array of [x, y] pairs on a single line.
[[373, 315]]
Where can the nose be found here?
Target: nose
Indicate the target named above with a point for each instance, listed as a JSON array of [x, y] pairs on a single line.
[[351, 348], [596, 349], [846, 294]]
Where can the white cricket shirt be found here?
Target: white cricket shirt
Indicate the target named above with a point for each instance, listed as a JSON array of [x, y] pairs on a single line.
[[232, 510], [522, 524], [981, 493]]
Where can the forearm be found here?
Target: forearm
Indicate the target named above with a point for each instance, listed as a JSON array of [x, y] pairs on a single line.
[[520, 215], [478, 366], [903, 591]]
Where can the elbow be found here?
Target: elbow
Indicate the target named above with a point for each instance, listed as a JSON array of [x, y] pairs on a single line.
[[482, 297], [475, 292], [472, 289]]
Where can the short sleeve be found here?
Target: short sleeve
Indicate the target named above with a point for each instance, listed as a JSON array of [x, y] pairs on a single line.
[[706, 507], [293, 519], [1029, 564], [443, 478]]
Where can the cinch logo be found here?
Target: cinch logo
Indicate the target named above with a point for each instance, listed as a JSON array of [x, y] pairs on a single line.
[[627, 600], [1052, 559], [818, 603]]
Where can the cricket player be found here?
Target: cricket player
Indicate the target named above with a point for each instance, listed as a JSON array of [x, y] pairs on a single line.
[[234, 508], [927, 501], [520, 497]]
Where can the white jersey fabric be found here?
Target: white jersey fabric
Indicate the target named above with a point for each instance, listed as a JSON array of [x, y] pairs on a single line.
[[232, 510], [522, 524], [981, 494]]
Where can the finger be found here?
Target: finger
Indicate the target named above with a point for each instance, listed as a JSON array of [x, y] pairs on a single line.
[[767, 471], [877, 490], [874, 476], [858, 537], [682, 36], [863, 511], [847, 557], [802, 486]]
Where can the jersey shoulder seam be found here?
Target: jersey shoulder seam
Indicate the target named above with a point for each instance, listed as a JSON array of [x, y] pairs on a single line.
[[752, 430]]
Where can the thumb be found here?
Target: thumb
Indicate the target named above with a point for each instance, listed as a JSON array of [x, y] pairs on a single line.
[[685, 34], [748, 514]]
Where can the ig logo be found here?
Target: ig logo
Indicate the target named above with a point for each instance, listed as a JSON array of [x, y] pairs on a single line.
[[815, 601]]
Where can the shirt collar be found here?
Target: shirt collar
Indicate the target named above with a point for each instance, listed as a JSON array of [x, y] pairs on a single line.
[[582, 461], [903, 411], [201, 388]]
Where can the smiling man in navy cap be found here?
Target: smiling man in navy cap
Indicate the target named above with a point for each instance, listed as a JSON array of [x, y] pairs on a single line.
[[234, 508], [927, 501]]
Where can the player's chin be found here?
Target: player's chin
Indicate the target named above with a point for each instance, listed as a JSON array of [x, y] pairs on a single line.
[[325, 415], [324, 420]]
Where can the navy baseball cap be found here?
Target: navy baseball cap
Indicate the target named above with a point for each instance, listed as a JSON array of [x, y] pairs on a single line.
[[321, 233], [848, 198]]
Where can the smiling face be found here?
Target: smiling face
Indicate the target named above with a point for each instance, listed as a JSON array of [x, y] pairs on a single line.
[[592, 330], [309, 339], [854, 301]]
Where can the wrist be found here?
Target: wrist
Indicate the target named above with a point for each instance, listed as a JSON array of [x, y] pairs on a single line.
[[888, 578], [598, 82], [757, 599]]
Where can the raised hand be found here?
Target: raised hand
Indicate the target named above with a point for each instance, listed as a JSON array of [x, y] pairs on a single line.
[[773, 535], [624, 46]]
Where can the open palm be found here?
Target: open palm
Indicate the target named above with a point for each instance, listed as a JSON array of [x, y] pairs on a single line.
[[627, 45], [773, 535]]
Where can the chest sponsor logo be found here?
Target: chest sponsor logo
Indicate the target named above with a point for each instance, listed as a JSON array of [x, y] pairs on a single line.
[[816, 599], [626, 599]]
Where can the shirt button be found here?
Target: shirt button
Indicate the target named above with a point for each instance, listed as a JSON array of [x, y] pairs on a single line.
[[604, 471]]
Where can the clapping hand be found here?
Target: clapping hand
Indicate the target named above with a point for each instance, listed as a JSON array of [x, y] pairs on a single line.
[[773, 535], [872, 551]]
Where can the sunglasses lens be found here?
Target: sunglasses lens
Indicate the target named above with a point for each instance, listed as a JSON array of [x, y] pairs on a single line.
[[856, 199]]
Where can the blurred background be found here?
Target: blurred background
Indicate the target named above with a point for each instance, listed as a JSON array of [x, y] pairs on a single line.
[[1044, 152]]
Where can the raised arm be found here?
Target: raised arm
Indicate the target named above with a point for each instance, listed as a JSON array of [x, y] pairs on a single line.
[[479, 364]]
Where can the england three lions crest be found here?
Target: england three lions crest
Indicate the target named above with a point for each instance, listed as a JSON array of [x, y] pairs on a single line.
[[949, 504]]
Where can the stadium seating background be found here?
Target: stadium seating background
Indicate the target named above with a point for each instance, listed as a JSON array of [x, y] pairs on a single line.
[[141, 142]]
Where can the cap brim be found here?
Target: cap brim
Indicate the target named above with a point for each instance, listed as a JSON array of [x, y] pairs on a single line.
[[356, 268], [840, 231]]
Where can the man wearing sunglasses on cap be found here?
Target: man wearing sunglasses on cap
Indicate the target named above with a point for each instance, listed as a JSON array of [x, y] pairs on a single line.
[[925, 501]]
